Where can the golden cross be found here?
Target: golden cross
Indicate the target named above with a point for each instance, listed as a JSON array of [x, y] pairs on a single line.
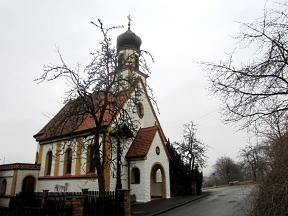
[[129, 20]]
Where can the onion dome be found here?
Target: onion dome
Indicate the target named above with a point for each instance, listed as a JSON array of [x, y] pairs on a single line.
[[128, 40]]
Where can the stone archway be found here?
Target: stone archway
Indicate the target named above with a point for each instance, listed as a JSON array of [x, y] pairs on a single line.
[[157, 182]]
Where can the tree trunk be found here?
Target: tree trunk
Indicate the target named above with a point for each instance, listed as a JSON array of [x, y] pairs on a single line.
[[190, 164], [254, 174], [193, 163], [99, 165]]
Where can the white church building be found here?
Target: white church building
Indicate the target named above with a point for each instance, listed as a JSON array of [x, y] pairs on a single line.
[[63, 165]]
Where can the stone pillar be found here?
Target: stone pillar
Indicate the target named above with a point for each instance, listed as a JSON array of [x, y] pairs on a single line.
[[126, 201], [77, 206]]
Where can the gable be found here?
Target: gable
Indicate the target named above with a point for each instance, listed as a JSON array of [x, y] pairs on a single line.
[[142, 143], [151, 108]]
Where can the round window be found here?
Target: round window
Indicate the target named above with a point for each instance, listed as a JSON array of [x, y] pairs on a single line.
[[140, 110]]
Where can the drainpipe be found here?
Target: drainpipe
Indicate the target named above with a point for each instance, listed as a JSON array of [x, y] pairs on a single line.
[[118, 181]]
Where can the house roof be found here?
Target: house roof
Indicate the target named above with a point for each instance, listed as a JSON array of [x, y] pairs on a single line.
[[142, 142]]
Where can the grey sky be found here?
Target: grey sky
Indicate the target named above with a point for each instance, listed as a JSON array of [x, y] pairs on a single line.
[[178, 33]]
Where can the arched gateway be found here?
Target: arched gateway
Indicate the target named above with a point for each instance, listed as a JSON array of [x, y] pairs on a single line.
[[158, 182]]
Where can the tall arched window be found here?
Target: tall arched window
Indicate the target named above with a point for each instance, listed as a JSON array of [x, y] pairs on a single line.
[[28, 184], [68, 161], [91, 162], [135, 176], [48, 163], [3, 187]]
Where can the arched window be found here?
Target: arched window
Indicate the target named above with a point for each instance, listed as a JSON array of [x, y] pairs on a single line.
[[68, 161], [135, 176], [28, 184], [121, 60], [91, 162], [48, 163], [3, 187], [136, 62], [140, 110]]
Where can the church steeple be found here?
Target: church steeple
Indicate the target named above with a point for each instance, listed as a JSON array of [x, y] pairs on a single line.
[[128, 48], [128, 40]]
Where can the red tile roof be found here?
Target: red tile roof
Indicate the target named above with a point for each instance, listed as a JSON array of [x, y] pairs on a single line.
[[74, 118], [142, 142]]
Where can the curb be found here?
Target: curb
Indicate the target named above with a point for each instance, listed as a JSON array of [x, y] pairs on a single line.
[[179, 205]]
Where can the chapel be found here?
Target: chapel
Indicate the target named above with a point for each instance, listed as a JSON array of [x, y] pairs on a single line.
[[63, 164]]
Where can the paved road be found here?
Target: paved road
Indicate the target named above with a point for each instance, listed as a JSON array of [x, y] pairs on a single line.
[[227, 201]]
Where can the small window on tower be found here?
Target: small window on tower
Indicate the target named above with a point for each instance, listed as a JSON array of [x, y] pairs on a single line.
[[140, 110], [121, 60]]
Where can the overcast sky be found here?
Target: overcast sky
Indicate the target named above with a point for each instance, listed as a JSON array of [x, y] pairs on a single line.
[[177, 33]]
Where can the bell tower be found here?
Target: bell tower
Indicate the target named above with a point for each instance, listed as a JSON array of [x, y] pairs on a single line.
[[128, 49]]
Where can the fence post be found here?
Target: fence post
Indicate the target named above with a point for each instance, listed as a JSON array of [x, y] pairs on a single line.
[[84, 197], [125, 194], [44, 199], [84, 194]]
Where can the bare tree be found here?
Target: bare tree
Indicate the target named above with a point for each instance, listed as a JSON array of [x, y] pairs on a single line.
[[254, 160], [97, 95], [271, 194], [192, 150], [255, 92], [227, 169]]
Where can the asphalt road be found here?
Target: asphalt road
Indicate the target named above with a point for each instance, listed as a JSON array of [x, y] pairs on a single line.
[[227, 201]]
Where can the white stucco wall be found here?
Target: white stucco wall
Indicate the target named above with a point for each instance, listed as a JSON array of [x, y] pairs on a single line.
[[4, 201], [52, 146], [8, 175], [19, 176], [152, 159], [139, 189], [71, 185], [142, 190]]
